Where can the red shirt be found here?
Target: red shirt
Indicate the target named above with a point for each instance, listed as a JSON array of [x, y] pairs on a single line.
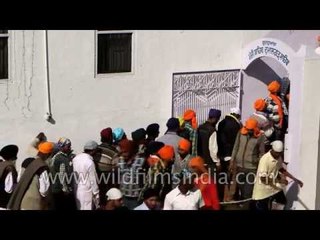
[[209, 192]]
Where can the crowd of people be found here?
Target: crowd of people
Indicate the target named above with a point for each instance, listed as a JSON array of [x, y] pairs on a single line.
[[190, 167]]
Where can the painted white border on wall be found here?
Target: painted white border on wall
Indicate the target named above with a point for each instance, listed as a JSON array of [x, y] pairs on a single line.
[[295, 68]]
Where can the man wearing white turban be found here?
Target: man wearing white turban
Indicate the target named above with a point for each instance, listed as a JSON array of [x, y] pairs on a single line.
[[271, 179]]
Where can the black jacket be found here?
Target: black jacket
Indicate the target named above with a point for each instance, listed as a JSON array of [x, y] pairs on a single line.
[[228, 129], [204, 132]]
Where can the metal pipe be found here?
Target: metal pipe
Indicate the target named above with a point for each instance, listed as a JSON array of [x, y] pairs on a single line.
[[48, 114]]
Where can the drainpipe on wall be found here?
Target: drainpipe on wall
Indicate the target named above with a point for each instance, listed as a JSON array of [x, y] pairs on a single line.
[[48, 115]]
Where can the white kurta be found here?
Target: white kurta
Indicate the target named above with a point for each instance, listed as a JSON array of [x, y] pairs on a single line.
[[86, 186]]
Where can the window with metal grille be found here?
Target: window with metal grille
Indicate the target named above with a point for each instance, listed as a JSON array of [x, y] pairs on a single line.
[[114, 52], [4, 54]]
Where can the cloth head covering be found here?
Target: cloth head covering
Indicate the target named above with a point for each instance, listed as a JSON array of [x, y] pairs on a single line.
[[152, 160], [214, 113], [173, 123], [106, 134], [197, 163], [127, 146], [277, 146], [153, 129], [114, 194], [274, 87], [251, 124], [166, 153], [9, 152], [184, 144], [181, 121], [260, 104], [90, 145], [46, 147], [63, 141], [154, 146], [117, 134], [235, 110], [138, 134], [190, 115], [150, 192]]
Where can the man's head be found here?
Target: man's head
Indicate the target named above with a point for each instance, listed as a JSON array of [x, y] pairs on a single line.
[[114, 198], [184, 146], [139, 136], [173, 124], [45, 149], [186, 180], [153, 130], [277, 149], [260, 105], [274, 87], [106, 135], [235, 112], [154, 146], [64, 145], [127, 149], [150, 198], [251, 127], [166, 153], [214, 115], [9, 152], [190, 116], [118, 134], [197, 165], [91, 148]]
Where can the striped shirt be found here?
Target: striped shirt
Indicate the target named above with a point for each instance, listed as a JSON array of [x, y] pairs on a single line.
[[193, 138], [131, 184]]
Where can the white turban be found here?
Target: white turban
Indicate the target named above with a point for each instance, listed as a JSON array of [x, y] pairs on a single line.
[[277, 146], [114, 194]]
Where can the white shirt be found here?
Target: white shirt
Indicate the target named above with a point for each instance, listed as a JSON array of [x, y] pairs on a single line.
[[85, 173], [175, 200], [8, 182], [213, 147], [268, 167], [44, 183], [143, 206]]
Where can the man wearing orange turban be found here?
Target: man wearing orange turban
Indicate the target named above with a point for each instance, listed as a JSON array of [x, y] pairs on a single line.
[[34, 174], [159, 175], [248, 149], [276, 110], [130, 165], [205, 183], [183, 159], [264, 124], [191, 125]]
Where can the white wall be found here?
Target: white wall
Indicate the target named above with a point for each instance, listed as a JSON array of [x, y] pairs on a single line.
[[310, 134], [83, 104]]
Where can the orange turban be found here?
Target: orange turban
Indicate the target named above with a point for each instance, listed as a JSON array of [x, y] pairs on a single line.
[[251, 124], [184, 144], [152, 160], [166, 153], [274, 87], [190, 115], [260, 104], [46, 147], [197, 163]]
